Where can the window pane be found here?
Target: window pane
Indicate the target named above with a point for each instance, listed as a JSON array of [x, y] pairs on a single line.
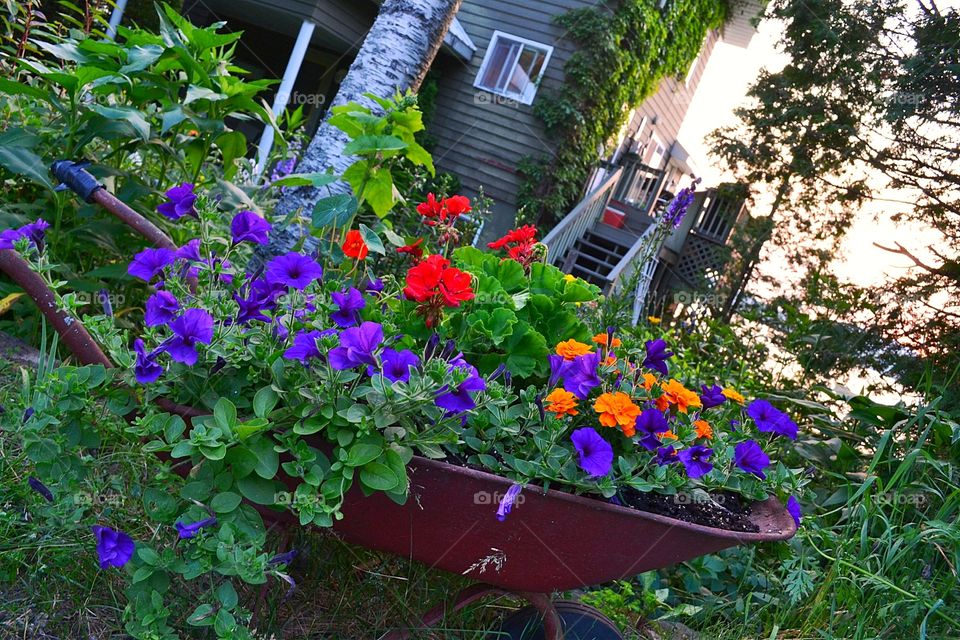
[[500, 63]]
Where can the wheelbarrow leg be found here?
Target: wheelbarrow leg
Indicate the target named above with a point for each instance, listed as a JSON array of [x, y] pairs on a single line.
[[552, 626]]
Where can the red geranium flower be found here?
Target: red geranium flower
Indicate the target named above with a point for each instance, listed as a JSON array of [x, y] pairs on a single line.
[[423, 279], [414, 250], [456, 205], [523, 235], [432, 208], [455, 287], [354, 246], [435, 284], [443, 211]]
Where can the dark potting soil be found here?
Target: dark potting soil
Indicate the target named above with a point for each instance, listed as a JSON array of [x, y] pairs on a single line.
[[724, 510]]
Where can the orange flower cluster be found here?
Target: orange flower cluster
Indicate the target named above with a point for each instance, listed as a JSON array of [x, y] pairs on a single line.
[[730, 394], [571, 349], [561, 403], [617, 409], [676, 394], [704, 430], [601, 339]]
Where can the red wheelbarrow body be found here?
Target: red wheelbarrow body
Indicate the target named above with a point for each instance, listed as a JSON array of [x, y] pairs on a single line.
[[551, 541]]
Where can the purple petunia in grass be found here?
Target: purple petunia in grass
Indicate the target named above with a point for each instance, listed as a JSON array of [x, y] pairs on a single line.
[[193, 327], [595, 453], [305, 346], [150, 263], [396, 364], [161, 308], [283, 558], [694, 460], [293, 270], [114, 548], [458, 400], [180, 201], [793, 507], [657, 356], [33, 231], [146, 368], [40, 488], [357, 345], [191, 529], [712, 396], [350, 302], [580, 374], [667, 455], [506, 504], [247, 226], [750, 457], [649, 423], [769, 419]]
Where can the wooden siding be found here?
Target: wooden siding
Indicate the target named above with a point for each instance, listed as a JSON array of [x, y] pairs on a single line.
[[482, 137]]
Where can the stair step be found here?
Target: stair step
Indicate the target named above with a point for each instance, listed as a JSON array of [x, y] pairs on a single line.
[[590, 276], [613, 236], [609, 256], [597, 266]]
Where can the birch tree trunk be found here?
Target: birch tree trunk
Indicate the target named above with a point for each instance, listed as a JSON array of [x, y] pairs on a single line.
[[396, 54]]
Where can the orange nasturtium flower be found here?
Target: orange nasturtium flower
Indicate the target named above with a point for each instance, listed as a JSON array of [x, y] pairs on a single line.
[[732, 395], [704, 430], [617, 409], [562, 403], [681, 396], [571, 349], [601, 339], [354, 246]]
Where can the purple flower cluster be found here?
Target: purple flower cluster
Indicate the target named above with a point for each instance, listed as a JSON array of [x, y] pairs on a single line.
[[180, 201], [769, 419], [712, 396], [649, 424], [657, 356], [677, 208], [579, 375], [595, 454], [457, 399], [247, 226], [34, 232]]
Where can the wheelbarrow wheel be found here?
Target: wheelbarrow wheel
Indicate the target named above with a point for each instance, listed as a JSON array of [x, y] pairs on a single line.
[[579, 622]]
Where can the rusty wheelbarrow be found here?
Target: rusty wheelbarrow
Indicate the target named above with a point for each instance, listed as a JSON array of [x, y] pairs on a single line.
[[552, 541]]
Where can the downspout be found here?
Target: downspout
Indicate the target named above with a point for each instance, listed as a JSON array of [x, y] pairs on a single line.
[[115, 18]]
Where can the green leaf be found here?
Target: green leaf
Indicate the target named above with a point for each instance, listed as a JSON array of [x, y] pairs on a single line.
[[336, 211], [25, 162], [227, 595], [264, 401], [526, 351], [132, 117], [233, 145], [173, 429], [305, 180], [12, 88], [420, 156], [159, 505], [202, 616], [141, 57], [225, 502], [195, 93], [379, 191], [372, 240], [258, 490], [379, 477], [364, 451], [368, 145], [268, 460], [225, 415], [148, 555]]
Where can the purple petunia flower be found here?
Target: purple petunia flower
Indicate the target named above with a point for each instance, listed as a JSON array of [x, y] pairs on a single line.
[[146, 369], [357, 345], [595, 453], [657, 355], [459, 400], [162, 307], [580, 374], [193, 327], [304, 346], [694, 460], [506, 504], [293, 270], [283, 558], [667, 455], [557, 367], [179, 203], [793, 507], [373, 286], [114, 548], [189, 530], [711, 396], [247, 226], [396, 364], [40, 488], [190, 251], [149, 263], [350, 303], [650, 422], [769, 419], [751, 458], [34, 231]]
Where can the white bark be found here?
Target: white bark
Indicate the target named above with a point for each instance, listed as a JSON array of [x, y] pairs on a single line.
[[396, 54]]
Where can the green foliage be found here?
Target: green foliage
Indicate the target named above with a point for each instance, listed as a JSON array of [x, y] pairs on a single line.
[[622, 54]]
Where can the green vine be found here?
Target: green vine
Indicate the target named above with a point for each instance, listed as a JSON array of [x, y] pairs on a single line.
[[623, 54]]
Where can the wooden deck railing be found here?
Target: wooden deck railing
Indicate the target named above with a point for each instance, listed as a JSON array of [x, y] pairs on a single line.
[[635, 270], [583, 217]]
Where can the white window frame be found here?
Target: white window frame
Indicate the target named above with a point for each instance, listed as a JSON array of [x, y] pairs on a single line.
[[528, 96]]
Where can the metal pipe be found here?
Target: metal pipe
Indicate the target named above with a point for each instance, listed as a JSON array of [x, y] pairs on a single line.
[[283, 93], [139, 224], [118, 8]]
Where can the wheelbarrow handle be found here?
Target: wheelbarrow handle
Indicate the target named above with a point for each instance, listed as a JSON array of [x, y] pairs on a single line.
[[75, 177]]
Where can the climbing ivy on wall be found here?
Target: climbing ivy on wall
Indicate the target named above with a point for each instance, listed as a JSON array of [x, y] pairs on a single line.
[[624, 50]]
